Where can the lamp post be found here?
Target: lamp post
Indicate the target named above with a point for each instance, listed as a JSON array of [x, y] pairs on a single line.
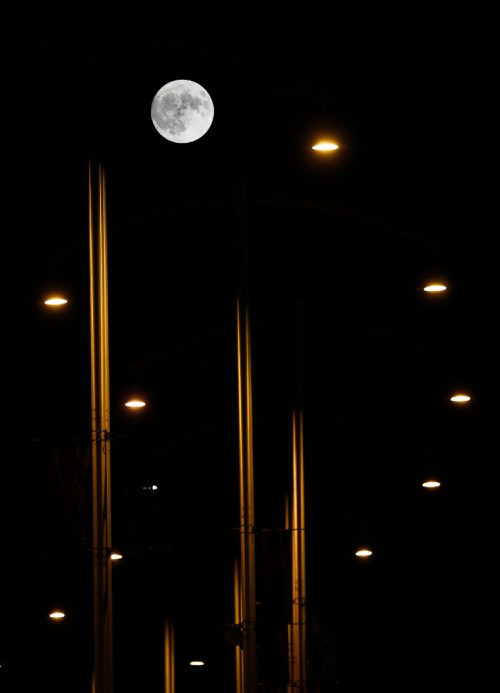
[[168, 656], [246, 665], [100, 423], [295, 516], [297, 629]]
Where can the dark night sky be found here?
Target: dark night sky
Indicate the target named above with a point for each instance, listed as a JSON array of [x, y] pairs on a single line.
[[339, 248]]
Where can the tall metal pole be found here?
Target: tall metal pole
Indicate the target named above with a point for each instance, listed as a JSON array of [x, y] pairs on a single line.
[[238, 654], [297, 629], [298, 626], [247, 521], [169, 658], [100, 425], [291, 653]]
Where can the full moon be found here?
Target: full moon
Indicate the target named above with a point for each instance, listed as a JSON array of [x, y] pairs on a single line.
[[182, 111]]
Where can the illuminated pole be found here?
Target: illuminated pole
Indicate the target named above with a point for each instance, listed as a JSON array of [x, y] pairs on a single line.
[[237, 619], [100, 420], [297, 629], [290, 652], [247, 521], [169, 657], [297, 646]]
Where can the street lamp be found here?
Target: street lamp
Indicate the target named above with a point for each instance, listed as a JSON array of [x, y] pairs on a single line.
[[435, 288], [325, 146], [135, 403], [55, 301], [57, 615], [431, 483], [460, 398]]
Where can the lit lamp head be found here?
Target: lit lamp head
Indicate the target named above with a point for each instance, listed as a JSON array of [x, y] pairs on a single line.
[[431, 484], [460, 398], [325, 146], [135, 403], [55, 301], [435, 288]]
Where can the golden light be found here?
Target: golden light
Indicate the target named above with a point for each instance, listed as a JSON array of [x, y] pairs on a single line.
[[135, 403], [196, 663], [55, 301], [435, 288], [460, 398], [115, 556], [325, 146], [364, 553], [431, 484], [57, 615]]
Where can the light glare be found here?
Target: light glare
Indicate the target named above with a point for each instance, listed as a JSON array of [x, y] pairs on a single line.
[[435, 288], [57, 615], [431, 484], [364, 553], [115, 556], [460, 398], [135, 403], [325, 147], [55, 301], [196, 663]]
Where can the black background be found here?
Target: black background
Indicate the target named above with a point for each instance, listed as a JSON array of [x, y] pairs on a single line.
[[339, 250]]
